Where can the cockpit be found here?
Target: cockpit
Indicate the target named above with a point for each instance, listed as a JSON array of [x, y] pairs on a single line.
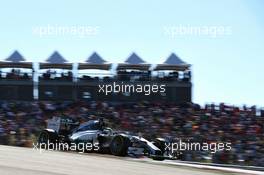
[[90, 125]]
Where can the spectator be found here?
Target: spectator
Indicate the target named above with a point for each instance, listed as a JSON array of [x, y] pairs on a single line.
[[20, 123]]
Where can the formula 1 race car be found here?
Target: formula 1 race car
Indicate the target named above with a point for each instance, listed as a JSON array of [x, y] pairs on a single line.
[[101, 139]]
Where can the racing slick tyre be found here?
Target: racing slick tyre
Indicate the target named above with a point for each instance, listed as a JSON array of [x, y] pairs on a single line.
[[46, 137], [160, 143], [119, 145]]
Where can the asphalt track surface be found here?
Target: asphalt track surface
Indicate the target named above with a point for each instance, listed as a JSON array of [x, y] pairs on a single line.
[[26, 161]]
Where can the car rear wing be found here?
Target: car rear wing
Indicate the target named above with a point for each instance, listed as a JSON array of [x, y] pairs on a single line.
[[56, 123]]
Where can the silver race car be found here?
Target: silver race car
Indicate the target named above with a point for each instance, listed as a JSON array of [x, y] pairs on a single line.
[[99, 138]]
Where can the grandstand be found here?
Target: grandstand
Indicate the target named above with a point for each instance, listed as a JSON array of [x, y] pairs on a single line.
[[16, 78], [55, 79], [62, 90]]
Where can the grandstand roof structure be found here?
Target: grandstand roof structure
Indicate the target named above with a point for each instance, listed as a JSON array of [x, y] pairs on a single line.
[[173, 62], [55, 61], [95, 61], [15, 60], [133, 62]]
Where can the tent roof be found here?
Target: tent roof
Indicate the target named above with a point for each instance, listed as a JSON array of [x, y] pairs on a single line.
[[133, 62], [173, 59], [173, 62], [15, 60], [134, 59], [15, 57], [55, 61], [95, 59], [56, 58]]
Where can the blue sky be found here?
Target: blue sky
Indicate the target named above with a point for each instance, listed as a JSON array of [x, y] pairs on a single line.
[[226, 68]]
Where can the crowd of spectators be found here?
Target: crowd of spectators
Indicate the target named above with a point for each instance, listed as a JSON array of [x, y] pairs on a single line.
[[20, 123], [124, 75], [176, 76], [53, 75], [15, 74]]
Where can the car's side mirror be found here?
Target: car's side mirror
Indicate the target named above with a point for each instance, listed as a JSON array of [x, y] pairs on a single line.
[[108, 131]]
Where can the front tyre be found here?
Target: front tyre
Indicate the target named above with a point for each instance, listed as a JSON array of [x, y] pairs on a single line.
[[160, 143], [119, 145]]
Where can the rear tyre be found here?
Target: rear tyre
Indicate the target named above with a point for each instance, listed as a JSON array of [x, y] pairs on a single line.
[[47, 139]]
